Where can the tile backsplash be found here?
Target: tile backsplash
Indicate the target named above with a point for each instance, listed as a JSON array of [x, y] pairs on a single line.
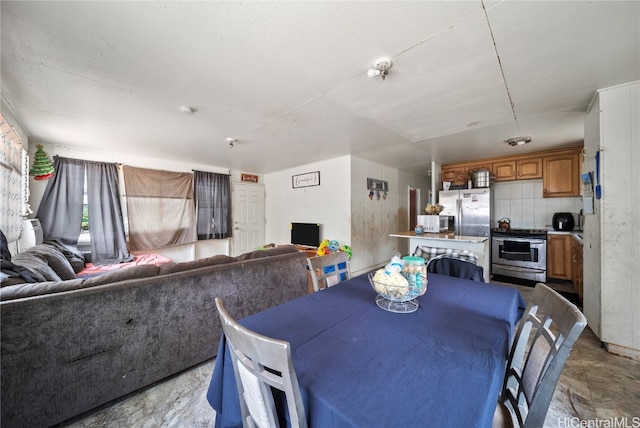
[[521, 201]]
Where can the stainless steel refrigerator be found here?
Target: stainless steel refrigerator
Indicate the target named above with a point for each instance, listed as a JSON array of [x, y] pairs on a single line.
[[471, 209]]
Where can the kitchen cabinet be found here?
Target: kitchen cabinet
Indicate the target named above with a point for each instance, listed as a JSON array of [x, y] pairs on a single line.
[[456, 174], [559, 170], [460, 173], [505, 170], [529, 168], [576, 267], [559, 256], [479, 165], [561, 175], [520, 169]]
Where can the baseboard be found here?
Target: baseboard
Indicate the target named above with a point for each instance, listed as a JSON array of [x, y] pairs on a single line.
[[623, 351]]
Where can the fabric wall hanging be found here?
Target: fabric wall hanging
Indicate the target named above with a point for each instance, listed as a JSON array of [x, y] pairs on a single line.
[[42, 168]]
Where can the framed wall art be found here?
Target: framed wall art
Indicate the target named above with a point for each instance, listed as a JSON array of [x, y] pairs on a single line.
[[306, 180], [374, 184]]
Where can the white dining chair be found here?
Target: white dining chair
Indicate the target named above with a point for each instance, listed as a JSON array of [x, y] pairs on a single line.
[[329, 269], [544, 338], [260, 363]]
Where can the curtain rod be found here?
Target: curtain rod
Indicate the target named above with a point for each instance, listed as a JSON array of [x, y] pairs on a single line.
[[193, 170], [197, 170]]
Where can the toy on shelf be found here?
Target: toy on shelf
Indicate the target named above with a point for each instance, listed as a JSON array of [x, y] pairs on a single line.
[[329, 246]]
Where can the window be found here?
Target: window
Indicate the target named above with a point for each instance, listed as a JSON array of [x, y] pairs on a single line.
[[213, 205], [84, 240]]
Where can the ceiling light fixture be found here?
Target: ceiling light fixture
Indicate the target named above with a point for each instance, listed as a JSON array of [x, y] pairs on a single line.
[[518, 141], [380, 68], [186, 110], [232, 142]]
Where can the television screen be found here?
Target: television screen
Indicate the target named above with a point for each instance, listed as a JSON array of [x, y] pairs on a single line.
[[305, 234]]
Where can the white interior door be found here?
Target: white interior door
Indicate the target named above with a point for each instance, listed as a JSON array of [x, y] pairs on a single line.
[[248, 217]]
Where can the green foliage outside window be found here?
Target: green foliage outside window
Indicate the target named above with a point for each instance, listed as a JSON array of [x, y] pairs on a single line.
[[85, 217]]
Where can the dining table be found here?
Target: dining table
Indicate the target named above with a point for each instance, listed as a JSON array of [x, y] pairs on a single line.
[[359, 365]]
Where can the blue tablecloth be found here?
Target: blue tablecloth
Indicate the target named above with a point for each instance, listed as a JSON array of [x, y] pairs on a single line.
[[361, 366]]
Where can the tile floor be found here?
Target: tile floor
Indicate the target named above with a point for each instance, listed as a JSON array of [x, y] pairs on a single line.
[[595, 387]]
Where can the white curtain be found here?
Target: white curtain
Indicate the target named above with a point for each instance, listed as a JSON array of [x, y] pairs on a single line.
[[12, 203]]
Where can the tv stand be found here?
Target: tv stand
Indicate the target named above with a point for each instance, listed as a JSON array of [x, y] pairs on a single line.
[[311, 252]]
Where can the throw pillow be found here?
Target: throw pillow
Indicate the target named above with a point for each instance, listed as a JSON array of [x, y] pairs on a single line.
[[73, 255], [55, 259]]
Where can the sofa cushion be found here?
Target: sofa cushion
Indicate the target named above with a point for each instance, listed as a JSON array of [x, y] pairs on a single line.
[[36, 263], [12, 280], [48, 287], [55, 259], [183, 266], [269, 252], [133, 272]]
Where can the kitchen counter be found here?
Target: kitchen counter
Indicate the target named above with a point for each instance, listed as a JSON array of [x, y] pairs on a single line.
[[479, 245], [575, 234], [450, 236]]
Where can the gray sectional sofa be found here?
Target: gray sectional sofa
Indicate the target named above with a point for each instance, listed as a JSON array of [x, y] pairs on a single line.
[[72, 345]]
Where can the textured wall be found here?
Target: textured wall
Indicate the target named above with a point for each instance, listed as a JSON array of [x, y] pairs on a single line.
[[327, 204], [372, 220]]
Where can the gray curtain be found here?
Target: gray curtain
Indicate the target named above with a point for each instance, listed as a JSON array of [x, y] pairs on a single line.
[[213, 205], [108, 239], [60, 210]]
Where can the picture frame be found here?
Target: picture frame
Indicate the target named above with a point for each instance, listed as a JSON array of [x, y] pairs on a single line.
[[250, 178], [378, 185], [307, 179]]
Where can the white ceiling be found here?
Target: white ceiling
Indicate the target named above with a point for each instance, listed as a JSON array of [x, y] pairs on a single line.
[[289, 80]]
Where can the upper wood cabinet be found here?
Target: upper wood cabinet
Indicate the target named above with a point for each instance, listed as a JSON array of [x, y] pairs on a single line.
[[479, 165], [559, 170], [529, 168], [457, 174], [505, 170], [561, 175], [520, 169]]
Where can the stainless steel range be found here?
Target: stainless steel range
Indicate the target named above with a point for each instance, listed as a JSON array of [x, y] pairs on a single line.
[[519, 253]]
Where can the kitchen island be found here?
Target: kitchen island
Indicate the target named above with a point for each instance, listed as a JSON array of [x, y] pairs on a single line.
[[479, 245]]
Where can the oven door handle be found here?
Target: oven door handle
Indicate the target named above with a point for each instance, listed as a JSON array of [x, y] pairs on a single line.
[[515, 252], [530, 241], [521, 269]]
